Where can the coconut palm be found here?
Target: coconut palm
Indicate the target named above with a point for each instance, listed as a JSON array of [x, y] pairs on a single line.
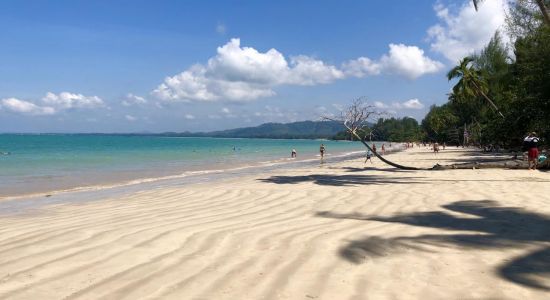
[[470, 83]]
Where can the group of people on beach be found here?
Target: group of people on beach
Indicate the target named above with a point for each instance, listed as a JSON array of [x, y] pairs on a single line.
[[530, 145], [294, 153], [369, 154]]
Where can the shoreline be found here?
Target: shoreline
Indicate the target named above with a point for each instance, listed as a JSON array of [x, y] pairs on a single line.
[[253, 167], [91, 164]]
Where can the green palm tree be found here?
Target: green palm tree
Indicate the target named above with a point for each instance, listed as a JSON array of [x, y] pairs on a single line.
[[470, 83]]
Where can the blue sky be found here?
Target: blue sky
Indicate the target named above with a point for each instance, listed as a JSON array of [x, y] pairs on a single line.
[[134, 66]]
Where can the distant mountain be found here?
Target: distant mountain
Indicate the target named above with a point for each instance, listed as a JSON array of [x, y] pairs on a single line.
[[296, 130]]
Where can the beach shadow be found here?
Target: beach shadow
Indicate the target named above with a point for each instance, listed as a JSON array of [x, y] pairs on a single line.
[[367, 168], [490, 225], [339, 180]]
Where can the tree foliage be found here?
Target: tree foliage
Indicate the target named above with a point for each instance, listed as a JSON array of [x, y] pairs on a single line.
[[519, 87]]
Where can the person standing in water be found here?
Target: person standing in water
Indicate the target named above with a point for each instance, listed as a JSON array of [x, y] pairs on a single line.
[[322, 151], [293, 153]]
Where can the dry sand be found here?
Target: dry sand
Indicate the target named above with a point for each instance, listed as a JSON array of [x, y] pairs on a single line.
[[337, 231]]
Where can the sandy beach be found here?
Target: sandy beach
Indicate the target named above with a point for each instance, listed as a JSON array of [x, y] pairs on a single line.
[[347, 230]]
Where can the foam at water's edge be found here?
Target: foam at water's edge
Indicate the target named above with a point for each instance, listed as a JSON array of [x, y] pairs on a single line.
[[259, 165], [176, 178]]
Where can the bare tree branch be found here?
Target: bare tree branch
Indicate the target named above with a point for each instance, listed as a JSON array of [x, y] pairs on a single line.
[[355, 117]]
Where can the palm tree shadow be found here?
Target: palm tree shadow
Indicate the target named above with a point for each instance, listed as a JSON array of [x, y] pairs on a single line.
[[340, 180], [491, 226], [370, 168]]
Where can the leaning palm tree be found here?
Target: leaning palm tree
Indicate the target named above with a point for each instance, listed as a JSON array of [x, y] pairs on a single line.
[[470, 83], [355, 118], [540, 3]]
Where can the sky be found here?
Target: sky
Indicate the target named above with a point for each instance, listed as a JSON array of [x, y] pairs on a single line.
[[157, 66]]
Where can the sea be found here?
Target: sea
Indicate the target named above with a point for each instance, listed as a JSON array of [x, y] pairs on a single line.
[[32, 164]]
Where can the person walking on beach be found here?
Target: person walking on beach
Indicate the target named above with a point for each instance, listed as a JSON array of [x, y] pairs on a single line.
[[436, 148], [322, 151], [293, 153], [383, 149], [373, 147], [369, 157], [531, 143]]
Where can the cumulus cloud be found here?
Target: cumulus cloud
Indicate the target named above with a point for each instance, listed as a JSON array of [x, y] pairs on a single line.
[[466, 31], [189, 117], [409, 104], [379, 104], [66, 100], [361, 67], [305, 70], [238, 73], [130, 118], [408, 61], [52, 104], [25, 107], [131, 99], [413, 104]]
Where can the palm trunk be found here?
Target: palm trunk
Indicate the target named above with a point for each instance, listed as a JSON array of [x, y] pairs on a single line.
[[488, 99], [378, 155], [544, 11]]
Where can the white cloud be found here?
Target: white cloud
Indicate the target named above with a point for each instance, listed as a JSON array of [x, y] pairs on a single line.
[[66, 100], [226, 110], [467, 31], [243, 73], [402, 60], [189, 117], [130, 118], [131, 99], [338, 107], [408, 61], [409, 104], [361, 67], [379, 104], [413, 104], [25, 107], [308, 71]]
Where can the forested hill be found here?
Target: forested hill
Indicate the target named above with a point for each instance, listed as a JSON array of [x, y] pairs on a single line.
[[296, 130]]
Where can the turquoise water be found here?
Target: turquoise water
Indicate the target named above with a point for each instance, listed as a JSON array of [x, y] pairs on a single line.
[[39, 163]]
